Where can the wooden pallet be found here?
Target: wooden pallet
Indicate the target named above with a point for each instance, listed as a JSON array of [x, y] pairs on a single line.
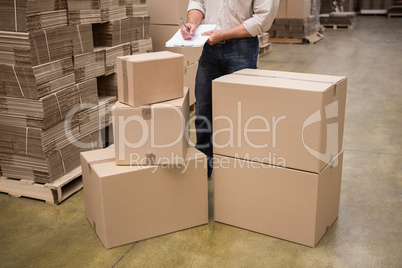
[[51, 193], [343, 26], [394, 15], [311, 39], [373, 12]]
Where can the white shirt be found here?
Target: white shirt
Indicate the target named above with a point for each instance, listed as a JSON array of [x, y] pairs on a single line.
[[256, 15]]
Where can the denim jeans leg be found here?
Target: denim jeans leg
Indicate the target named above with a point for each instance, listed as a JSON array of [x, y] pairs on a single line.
[[215, 61], [208, 70], [241, 54]]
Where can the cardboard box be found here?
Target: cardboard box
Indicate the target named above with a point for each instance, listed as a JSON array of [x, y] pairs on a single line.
[[289, 204], [160, 34], [282, 9], [298, 9], [127, 204], [190, 72], [167, 12], [149, 78], [154, 134], [289, 119]]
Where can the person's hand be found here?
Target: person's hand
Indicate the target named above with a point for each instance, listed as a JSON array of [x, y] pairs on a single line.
[[215, 36], [188, 35]]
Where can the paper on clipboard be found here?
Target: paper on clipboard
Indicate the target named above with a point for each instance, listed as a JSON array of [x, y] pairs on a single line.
[[198, 40]]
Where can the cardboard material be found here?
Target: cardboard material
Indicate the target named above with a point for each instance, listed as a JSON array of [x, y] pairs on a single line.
[[298, 9], [149, 78], [127, 204], [167, 12], [282, 9], [294, 9], [151, 134], [289, 119], [190, 72], [162, 33], [289, 204]]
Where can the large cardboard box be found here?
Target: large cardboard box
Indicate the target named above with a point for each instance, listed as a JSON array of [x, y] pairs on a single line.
[[167, 12], [127, 204], [149, 77], [282, 9], [298, 9], [190, 72], [160, 34], [289, 119], [154, 134], [286, 203]]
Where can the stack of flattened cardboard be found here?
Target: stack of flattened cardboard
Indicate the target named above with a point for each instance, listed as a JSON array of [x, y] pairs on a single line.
[[136, 8], [293, 20], [113, 33], [165, 21], [49, 76], [293, 28], [82, 39], [121, 31], [151, 159], [141, 46], [278, 152], [95, 11], [24, 15], [34, 133], [89, 65], [38, 81]]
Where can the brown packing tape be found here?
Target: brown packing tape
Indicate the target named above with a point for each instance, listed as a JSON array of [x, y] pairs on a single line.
[[103, 161], [335, 90], [150, 159], [125, 80], [146, 112]]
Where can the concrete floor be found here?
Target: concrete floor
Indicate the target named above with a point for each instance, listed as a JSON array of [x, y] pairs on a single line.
[[368, 232]]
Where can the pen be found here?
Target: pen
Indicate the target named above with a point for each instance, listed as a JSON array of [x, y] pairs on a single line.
[[187, 29]]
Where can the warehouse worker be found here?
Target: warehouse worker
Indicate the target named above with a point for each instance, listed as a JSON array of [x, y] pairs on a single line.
[[232, 46]]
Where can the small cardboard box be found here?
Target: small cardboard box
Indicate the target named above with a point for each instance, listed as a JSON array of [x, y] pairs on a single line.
[[154, 134], [167, 12], [160, 34], [294, 120], [190, 72], [127, 204], [286, 203], [149, 77]]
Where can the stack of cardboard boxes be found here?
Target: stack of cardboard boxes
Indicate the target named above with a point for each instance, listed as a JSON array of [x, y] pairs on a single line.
[[293, 20], [54, 56], [151, 183], [278, 152], [165, 21]]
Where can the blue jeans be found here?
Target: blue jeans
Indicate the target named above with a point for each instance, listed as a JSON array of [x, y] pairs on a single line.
[[216, 61]]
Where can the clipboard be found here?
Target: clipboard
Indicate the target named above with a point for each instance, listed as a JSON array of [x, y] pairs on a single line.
[[198, 40]]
